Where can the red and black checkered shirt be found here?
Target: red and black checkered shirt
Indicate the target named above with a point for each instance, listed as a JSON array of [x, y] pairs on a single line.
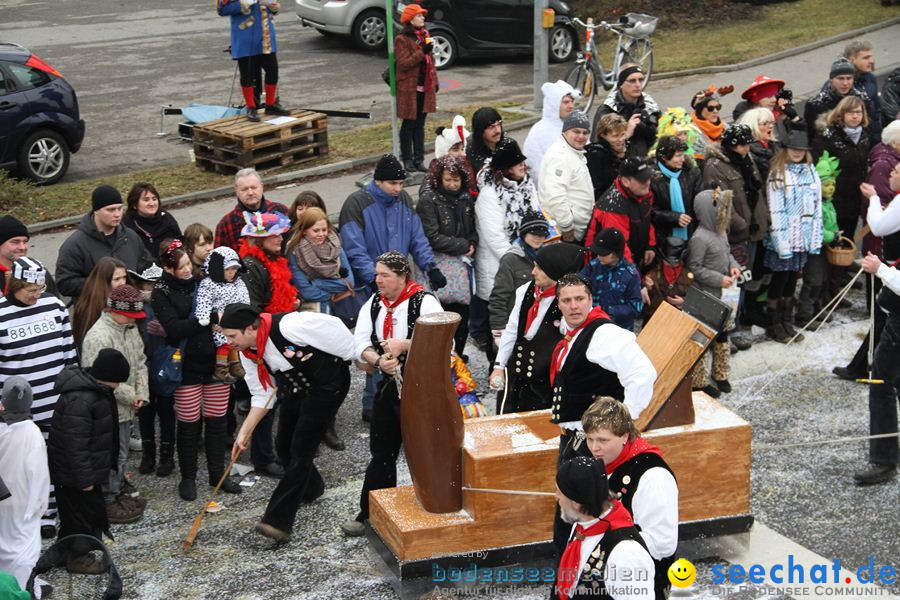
[[228, 231]]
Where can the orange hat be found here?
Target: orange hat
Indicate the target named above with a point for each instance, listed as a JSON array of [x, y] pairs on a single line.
[[411, 11]]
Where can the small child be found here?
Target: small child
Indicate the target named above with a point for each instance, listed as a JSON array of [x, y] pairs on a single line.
[[669, 279], [81, 451], [464, 386], [616, 282], [714, 268], [219, 288]]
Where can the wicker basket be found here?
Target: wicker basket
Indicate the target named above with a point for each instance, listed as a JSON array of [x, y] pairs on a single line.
[[841, 254]]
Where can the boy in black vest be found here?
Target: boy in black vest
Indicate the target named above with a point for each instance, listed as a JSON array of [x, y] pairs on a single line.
[[307, 355], [603, 543], [82, 448], [533, 331]]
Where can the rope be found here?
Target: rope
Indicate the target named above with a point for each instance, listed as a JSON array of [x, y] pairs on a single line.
[[505, 390], [822, 442], [513, 492], [830, 307]]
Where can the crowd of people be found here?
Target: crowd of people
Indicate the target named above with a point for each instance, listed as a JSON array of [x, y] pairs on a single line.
[[553, 258]]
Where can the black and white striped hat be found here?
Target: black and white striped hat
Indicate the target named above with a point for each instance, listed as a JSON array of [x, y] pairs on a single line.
[[29, 270]]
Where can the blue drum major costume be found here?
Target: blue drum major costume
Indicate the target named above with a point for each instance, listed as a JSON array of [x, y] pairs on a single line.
[[253, 46]]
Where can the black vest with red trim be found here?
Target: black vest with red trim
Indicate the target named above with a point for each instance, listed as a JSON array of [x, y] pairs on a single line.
[[412, 314], [531, 358], [580, 381], [623, 483], [311, 366], [592, 583]]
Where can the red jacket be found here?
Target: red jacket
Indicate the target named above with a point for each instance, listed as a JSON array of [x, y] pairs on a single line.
[[632, 216]]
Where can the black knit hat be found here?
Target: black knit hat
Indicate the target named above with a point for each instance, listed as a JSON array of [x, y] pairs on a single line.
[[560, 259], [389, 169], [583, 480], [635, 168], [609, 240], [105, 195], [507, 154], [535, 223], [668, 145], [110, 365], [11, 227], [238, 316], [841, 66], [737, 135]]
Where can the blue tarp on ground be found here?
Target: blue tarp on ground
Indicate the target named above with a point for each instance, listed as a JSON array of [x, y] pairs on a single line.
[[202, 113]]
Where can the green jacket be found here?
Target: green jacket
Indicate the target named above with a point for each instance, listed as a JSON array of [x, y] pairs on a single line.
[[106, 333], [829, 222]]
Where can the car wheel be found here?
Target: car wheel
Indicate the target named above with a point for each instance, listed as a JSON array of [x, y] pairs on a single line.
[[562, 44], [370, 30], [444, 50], [44, 157]]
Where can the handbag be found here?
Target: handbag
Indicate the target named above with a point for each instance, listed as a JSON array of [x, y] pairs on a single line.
[[165, 368], [459, 273]]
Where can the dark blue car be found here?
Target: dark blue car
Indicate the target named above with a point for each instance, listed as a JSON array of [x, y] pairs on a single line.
[[39, 122]]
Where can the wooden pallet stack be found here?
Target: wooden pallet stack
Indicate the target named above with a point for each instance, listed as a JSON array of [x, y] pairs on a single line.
[[227, 145]]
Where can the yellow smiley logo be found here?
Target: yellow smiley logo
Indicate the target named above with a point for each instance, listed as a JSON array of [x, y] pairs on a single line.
[[682, 573]]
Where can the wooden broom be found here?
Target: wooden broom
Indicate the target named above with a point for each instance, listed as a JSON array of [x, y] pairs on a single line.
[[198, 521]]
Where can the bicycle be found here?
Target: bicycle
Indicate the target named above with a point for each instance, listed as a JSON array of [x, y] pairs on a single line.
[[633, 46]]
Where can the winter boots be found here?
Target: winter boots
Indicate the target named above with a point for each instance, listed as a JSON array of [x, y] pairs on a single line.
[[166, 462], [332, 440], [215, 454], [720, 366], [776, 330], [188, 443], [700, 379], [148, 457], [788, 319]]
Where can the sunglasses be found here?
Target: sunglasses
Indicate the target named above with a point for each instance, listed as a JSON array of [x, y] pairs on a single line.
[[714, 108]]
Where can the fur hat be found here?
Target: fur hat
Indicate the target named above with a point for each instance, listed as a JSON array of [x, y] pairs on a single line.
[[262, 225], [447, 137]]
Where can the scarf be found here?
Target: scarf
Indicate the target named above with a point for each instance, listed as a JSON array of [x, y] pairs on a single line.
[[408, 292], [530, 252], [617, 518], [854, 133], [380, 195], [428, 84], [676, 201], [631, 449], [711, 130], [283, 291], [744, 164], [671, 273], [262, 338], [562, 347], [517, 198], [536, 305], [320, 260]]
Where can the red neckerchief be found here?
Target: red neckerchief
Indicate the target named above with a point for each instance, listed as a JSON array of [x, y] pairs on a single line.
[[262, 338], [617, 518], [624, 191], [3, 283], [559, 353], [411, 288], [671, 273], [429, 81], [631, 449], [536, 305]]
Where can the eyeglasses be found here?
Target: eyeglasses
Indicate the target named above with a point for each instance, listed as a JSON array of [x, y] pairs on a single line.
[[35, 290], [714, 108]]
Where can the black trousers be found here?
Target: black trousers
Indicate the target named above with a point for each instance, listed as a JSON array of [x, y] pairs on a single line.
[[859, 364], [161, 406], [304, 418], [249, 68], [412, 133], [883, 397], [561, 529], [384, 444], [81, 512], [462, 332]]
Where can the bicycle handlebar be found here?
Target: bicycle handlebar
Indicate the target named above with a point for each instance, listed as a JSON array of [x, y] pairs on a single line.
[[601, 24]]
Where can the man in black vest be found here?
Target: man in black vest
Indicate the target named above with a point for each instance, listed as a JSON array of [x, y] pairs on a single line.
[[883, 452], [603, 544], [594, 358], [533, 331], [308, 356]]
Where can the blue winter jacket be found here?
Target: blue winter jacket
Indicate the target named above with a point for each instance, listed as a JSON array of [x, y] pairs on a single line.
[[373, 223], [617, 290], [249, 40], [320, 289]]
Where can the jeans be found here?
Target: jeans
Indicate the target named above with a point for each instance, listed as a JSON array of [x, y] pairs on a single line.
[[412, 134], [117, 477]]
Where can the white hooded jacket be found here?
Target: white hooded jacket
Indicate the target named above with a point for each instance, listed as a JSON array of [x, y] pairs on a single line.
[[565, 188], [547, 130]]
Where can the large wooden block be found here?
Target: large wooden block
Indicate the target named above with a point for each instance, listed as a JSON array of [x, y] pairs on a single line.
[[710, 458]]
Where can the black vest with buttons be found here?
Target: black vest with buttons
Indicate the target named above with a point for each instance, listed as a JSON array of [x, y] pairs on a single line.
[[623, 483], [412, 314], [580, 380], [591, 584], [311, 366], [530, 360]]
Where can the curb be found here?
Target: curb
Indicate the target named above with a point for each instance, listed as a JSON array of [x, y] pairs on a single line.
[[777, 55], [212, 194]]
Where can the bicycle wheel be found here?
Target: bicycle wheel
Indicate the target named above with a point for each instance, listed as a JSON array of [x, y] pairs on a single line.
[[582, 77], [639, 51]]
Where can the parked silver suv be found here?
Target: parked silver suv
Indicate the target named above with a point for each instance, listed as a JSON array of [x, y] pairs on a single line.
[[363, 20]]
